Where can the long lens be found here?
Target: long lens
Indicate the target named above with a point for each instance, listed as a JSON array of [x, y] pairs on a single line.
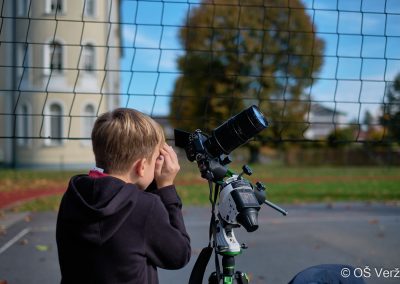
[[236, 131]]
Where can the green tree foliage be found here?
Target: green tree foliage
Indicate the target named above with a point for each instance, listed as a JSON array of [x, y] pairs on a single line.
[[341, 137], [373, 134], [391, 111], [239, 53]]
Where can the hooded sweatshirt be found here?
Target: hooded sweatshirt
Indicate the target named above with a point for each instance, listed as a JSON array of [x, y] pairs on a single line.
[[109, 231]]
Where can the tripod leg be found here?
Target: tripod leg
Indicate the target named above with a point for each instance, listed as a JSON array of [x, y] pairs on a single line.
[[241, 278], [213, 279]]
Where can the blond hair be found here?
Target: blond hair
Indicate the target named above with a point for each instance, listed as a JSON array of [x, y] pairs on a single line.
[[122, 136]]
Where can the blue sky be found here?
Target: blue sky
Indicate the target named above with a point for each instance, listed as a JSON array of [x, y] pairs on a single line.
[[362, 52]]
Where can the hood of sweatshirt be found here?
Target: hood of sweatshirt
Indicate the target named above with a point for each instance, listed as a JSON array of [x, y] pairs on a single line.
[[94, 208]]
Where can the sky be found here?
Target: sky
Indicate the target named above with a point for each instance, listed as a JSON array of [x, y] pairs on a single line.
[[362, 52]]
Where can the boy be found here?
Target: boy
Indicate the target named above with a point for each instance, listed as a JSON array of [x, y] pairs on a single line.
[[124, 219]]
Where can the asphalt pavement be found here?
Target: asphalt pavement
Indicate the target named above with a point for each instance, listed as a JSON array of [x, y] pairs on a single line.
[[364, 235]]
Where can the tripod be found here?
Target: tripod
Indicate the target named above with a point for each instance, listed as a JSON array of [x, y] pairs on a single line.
[[237, 198], [223, 242], [228, 247], [228, 273]]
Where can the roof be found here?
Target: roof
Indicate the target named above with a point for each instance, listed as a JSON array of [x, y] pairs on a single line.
[[318, 109]]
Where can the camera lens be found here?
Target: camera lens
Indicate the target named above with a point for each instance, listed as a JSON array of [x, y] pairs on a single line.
[[236, 131]]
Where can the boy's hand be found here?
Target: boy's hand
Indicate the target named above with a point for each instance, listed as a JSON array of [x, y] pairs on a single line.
[[167, 167]]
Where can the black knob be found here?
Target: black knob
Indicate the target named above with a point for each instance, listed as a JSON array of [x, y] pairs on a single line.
[[226, 160], [260, 185], [247, 170]]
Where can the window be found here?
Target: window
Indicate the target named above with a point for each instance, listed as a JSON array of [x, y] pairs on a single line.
[[53, 57], [55, 121], [54, 124], [54, 6], [88, 119], [23, 125], [90, 7], [56, 56], [88, 58]]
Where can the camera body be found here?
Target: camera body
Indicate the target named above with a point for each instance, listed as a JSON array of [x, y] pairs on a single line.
[[211, 168]]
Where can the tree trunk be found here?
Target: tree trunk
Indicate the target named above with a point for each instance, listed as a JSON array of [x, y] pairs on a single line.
[[254, 154]]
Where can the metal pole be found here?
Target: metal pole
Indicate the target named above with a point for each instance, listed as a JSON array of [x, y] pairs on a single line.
[[14, 86]]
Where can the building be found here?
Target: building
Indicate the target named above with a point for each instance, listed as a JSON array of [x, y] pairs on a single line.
[[323, 121], [59, 64]]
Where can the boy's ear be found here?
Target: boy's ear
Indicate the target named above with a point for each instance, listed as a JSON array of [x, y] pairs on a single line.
[[139, 167]]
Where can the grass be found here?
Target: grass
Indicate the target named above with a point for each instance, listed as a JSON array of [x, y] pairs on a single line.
[[284, 184], [298, 185], [12, 180], [335, 191], [41, 204]]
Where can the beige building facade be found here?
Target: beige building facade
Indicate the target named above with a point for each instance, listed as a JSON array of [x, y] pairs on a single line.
[[59, 64]]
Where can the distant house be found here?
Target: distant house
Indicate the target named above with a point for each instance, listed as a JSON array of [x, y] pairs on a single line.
[[323, 121]]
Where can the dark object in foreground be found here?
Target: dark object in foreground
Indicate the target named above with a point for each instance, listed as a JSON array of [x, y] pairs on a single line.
[[327, 274]]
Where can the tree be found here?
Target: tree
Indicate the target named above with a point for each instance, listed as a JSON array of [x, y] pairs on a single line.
[[368, 120], [391, 111], [239, 53], [341, 137], [372, 134]]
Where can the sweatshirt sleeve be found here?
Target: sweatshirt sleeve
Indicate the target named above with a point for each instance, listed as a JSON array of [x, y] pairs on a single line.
[[167, 243]]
